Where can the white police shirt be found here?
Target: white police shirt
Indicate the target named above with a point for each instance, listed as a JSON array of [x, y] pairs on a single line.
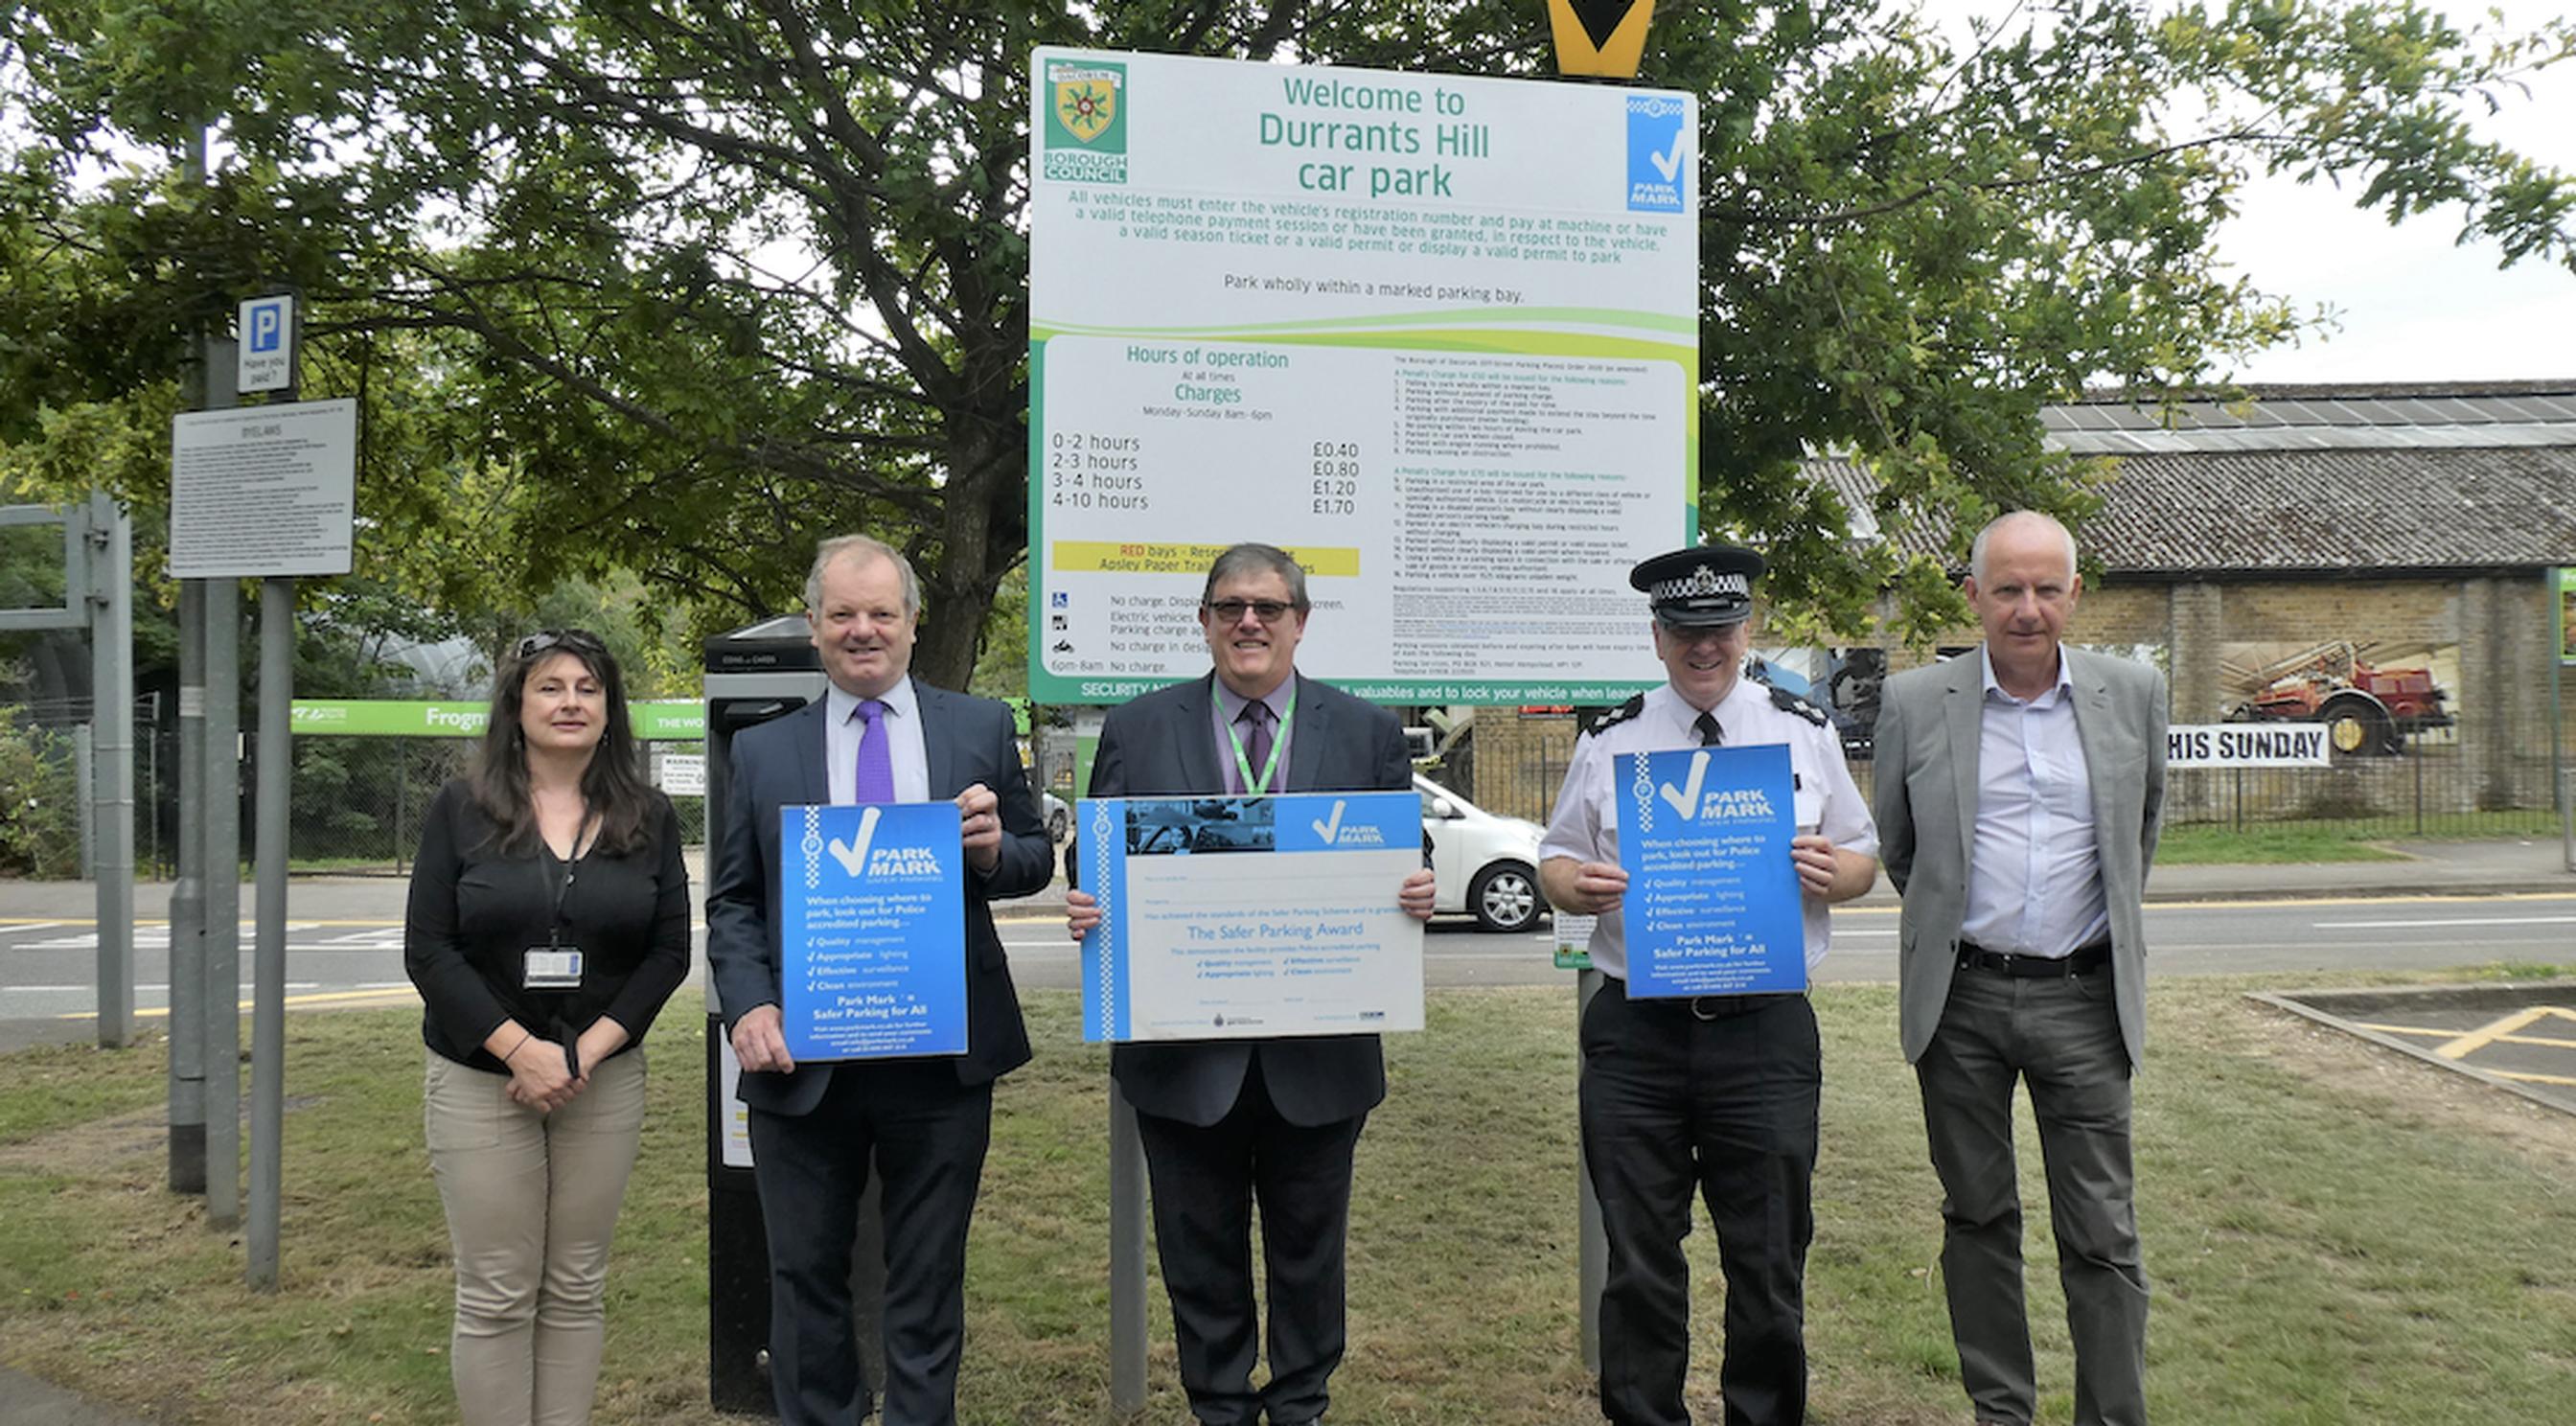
[[1585, 825]]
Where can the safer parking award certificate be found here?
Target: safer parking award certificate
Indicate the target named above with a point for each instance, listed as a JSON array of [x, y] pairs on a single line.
[[872, 931], [1226, 918], [1712, 905]]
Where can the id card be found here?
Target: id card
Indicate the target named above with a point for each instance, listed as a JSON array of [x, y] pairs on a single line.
[[551, 968]]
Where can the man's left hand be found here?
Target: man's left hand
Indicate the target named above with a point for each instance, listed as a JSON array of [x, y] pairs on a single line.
[[1415, 897], [979, 821]]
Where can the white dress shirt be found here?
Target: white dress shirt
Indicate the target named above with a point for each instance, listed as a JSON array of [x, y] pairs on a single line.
[[1585, 825], [842, 730], [2034, 869]]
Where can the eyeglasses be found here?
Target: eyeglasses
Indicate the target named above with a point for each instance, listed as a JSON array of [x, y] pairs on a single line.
[[1231, 611], [578, 640]]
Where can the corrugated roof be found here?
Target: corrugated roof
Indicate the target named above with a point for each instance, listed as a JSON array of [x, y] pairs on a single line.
[[2319, 480], [2312, 418]]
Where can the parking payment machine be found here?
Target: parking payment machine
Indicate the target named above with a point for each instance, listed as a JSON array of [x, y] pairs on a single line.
[[756, 673]]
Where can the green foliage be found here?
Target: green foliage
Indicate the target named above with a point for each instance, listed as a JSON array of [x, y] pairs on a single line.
[[674, 290], [39, 802]]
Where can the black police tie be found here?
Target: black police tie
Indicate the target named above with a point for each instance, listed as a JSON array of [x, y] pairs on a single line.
[[1709, 734]]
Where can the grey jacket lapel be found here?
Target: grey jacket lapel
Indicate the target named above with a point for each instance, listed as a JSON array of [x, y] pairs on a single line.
[[1963, 704], [2097, 730]]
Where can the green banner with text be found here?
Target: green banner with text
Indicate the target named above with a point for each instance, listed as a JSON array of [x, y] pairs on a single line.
[[659, 720]]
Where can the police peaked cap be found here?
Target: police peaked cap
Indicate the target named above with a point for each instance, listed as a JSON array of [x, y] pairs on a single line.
[[1703, 587]]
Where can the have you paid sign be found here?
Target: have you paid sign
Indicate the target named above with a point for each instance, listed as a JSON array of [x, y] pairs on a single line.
[[1435, 335]]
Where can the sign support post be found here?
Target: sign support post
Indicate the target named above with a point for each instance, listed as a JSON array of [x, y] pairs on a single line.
[[268, 957], [267, 493], [187, 977], [221, 834], [111, 644]]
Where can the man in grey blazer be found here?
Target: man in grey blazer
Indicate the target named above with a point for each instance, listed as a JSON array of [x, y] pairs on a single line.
[[1229, 1124], [878, 735], [2018, 796]]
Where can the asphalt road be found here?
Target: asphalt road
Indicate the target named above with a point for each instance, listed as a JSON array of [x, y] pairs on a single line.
[[47, 966]]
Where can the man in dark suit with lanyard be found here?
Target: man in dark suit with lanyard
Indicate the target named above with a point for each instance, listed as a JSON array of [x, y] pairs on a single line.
[[1227, 1123], [879, 735]]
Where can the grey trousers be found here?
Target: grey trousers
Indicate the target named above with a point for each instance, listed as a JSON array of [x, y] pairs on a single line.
[[531, 1204], [2062, 1036]]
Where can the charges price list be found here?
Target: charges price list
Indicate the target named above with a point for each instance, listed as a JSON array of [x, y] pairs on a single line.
[[1097, 470], [1333, 478]]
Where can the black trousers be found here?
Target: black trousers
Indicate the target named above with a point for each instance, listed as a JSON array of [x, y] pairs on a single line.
[[1717, 1095], [928, 1133], [1206, 1183]]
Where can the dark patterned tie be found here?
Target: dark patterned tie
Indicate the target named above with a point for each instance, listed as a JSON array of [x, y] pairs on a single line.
[[876, 755], [1255, 719], [1709, 734]]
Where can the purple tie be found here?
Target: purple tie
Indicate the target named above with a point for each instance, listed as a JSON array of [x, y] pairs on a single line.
[[876, 755], [1255, 718]]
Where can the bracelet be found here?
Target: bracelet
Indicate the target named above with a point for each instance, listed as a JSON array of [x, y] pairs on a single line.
[[524, 1037]]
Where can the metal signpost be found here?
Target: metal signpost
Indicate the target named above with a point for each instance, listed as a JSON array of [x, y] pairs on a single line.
[[267, 493], [98, 598], [2562, 615]]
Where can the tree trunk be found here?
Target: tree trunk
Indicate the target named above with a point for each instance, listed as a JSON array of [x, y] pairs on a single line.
[[975, 549]]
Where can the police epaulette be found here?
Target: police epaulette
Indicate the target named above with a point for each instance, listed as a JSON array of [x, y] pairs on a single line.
[[1635, 705], [1788, 702]]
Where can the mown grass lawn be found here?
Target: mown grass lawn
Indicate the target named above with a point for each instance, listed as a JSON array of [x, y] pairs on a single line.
[[2334, 1235]]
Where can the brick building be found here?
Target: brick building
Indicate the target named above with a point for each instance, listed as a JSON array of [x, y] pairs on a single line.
[[2391, 526]]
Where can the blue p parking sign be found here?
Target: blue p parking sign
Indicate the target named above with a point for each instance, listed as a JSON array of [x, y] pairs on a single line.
[[267, 325], [1658, 153], [267, 360]]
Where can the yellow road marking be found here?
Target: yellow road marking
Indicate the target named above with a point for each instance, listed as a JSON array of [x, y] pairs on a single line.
[[319, 997], [2533, 1078], [2436, 1032], [2496, 1030]]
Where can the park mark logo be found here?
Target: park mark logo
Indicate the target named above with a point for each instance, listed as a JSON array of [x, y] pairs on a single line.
[[853, 858], [1658, 153], [1086, 121], [1338, 834]]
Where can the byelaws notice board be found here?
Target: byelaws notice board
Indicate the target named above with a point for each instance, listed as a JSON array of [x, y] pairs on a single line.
[[263, 490], [1435, 335]]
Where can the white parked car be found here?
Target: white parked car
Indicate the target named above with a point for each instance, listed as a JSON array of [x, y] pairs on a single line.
[[1487, 866], [1059, 818]]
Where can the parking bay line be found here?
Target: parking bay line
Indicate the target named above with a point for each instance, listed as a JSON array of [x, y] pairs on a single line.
[[2435, 1032]]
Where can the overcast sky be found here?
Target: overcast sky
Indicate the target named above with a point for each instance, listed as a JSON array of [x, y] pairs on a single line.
[[2412, 306]]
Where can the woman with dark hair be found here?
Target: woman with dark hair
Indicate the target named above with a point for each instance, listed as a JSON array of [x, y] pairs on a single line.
[[549, 920]]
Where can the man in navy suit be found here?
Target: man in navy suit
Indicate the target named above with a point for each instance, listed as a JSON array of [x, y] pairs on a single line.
[[879, 735], [1228, 1123]]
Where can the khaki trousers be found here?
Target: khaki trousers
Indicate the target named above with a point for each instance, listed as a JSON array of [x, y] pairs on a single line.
[[531, 1204]]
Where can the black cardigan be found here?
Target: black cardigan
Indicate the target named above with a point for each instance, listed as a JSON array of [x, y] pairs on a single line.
[[474, 912]]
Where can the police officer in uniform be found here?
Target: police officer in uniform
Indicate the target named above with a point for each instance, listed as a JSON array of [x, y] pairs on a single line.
[[1715, 1093]]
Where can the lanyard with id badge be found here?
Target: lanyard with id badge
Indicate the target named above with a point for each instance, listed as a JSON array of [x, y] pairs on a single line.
[[554, 965]]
